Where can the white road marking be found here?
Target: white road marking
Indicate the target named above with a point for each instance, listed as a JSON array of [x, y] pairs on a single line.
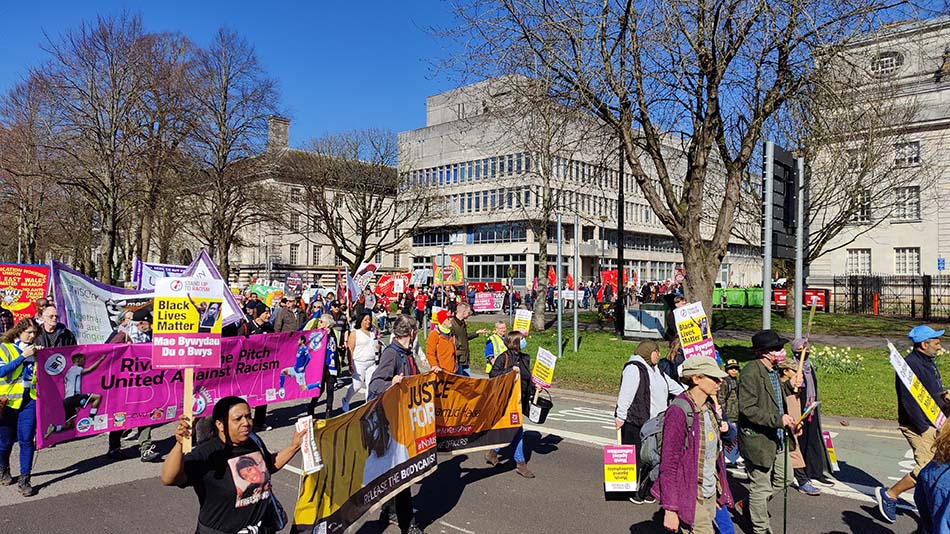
[[576, 436], [460, 529]]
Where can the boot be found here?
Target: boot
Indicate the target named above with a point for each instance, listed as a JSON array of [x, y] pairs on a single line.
[[522, 469], [24, 486], [5, 478], [491, 457]]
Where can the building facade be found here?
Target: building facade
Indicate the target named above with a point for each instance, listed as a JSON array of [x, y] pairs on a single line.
[[489, 165], [908, 233]]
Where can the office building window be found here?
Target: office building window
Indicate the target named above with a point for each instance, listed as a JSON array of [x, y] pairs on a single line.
[[862, 207], [907, 154], [859, 261], [907, 203], [294, 254], [397, 259], [315, 260], [478, 202], [455, 174], [337, 260], [295, 222], [430, 238], [499, 233], [906, 261], [421, 262]]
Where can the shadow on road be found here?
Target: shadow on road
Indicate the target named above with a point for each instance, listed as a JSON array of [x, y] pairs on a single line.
[[864, 522], [652, 526]]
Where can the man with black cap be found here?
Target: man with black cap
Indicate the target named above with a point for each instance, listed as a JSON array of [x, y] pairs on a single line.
[[763, 418], [913, 423], [644, 393]]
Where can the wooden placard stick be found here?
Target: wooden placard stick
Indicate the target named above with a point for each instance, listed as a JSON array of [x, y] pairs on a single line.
[[801, 361], [189, 402]]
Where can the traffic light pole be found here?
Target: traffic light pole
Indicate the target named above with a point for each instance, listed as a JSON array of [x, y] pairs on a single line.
[[769, 178]]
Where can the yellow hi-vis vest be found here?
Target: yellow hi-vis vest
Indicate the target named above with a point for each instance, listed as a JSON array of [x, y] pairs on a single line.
[[11, 386], [497, 349]]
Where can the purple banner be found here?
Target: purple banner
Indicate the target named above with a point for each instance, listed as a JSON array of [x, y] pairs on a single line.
[[91, 389]]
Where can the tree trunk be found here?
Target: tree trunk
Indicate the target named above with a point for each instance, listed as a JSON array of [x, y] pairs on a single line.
[[790, 308], [224, 264], [700, 275], [107, 255]]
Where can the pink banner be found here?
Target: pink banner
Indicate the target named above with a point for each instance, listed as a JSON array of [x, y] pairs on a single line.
[[488, 302], [91, 389]]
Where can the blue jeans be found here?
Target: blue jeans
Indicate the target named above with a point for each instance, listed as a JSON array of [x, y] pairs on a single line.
[[19, 425], [518, 445]]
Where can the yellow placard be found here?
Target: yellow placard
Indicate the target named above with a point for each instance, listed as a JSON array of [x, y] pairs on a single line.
[[543, 372], [522, 321]]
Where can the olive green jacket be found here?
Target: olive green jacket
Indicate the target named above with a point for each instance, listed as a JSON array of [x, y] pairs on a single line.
[[759, 416]]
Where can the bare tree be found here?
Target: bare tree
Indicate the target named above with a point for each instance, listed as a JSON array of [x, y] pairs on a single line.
[[28, 174], [563, 160], [94, 85], [683, 84], [233, 98], [354, 194]]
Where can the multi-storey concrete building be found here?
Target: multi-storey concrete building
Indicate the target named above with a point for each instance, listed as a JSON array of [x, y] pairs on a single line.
[[908, 233], [489, 165]]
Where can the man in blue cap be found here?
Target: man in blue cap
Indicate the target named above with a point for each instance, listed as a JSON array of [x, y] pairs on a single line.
[[913, 423]]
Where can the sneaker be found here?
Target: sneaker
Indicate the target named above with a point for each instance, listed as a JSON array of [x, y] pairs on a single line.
[[491, 457], [131, 435], [522, 469], [824, 481], [649, 499], [636, 499], [808, 489], [886, 505], [150, 455]]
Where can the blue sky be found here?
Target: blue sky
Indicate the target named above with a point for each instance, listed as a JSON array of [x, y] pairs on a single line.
[[340, 65]]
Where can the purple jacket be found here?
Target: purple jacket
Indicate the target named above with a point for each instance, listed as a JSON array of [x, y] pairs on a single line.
[[677, 487]]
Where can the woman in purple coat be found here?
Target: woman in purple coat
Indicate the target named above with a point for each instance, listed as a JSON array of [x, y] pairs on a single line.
[[692, 484]]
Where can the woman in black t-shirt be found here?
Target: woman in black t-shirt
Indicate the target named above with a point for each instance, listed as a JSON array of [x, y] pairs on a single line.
[[231, 472]]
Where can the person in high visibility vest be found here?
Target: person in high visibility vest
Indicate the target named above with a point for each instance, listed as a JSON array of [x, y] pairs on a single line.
[[495, 345], [18, 402]]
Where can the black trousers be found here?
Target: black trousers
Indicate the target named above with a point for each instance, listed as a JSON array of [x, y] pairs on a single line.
[[630, 435]]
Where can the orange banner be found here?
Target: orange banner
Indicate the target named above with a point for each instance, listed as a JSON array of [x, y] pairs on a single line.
[[372, 453]]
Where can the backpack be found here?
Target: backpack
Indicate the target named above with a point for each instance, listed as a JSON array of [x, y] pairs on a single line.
[[651, 439]]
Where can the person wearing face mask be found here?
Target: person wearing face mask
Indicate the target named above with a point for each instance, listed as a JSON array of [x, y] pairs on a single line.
[[912, 422], [395, 363], [515, 358], [763, 418]]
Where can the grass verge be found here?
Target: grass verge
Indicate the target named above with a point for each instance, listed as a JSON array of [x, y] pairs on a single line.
[[825, 323], [597, 365]]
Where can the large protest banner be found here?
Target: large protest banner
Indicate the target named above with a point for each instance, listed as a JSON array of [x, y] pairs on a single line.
[[128, 392], [488, 301], [144, 273], [372, 453], [694, 332], [20, 286], [92, 310]]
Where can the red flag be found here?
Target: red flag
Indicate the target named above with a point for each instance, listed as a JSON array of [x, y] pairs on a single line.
[[570, 281], [552, 278]]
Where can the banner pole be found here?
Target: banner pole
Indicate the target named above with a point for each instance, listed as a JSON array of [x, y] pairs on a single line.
[[189, 401]]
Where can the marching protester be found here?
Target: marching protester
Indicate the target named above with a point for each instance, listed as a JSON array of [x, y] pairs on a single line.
[[692, 485], [362, 346], [290, 318], [440, 346], [515, 358], [789, 379], [462, 337], [422, 305], [39, 304], [53, 333], [395, 363], [18, 402], [763, 418], [728, 397], [644, 394], [230, 472], [495, 344], [261, 325], [911, 419], [932, 492], [810, 443], [330, 366]]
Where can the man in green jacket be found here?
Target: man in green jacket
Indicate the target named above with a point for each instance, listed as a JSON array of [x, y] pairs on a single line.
[[763, 418], [460, 330]]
